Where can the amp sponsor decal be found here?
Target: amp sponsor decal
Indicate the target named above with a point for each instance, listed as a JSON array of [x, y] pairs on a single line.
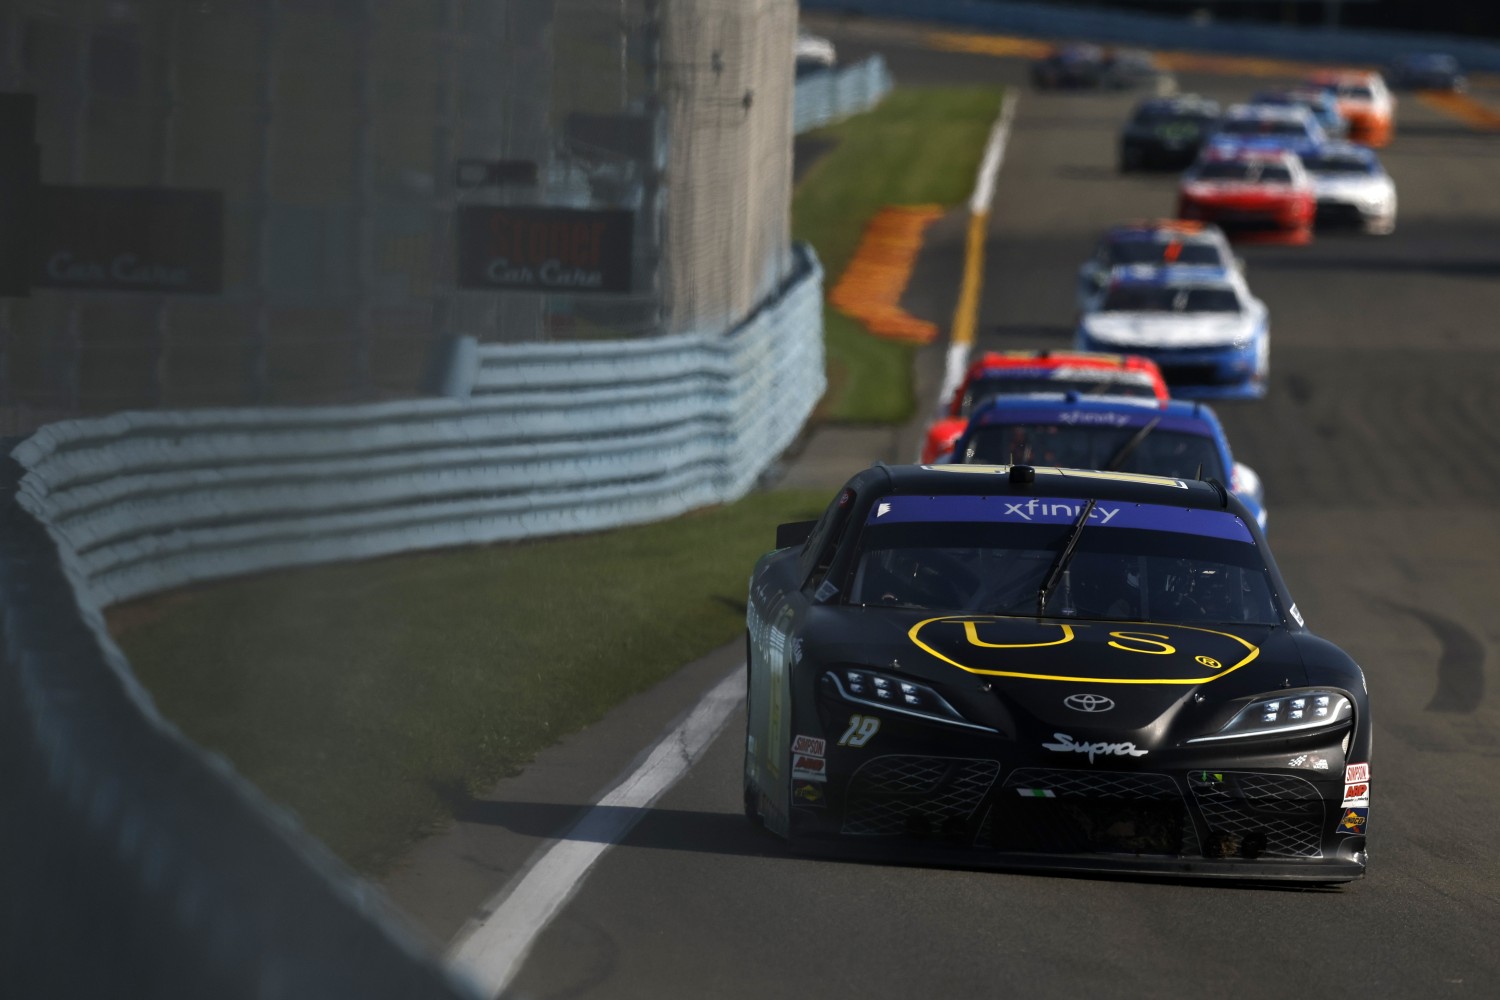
[[806, 768]]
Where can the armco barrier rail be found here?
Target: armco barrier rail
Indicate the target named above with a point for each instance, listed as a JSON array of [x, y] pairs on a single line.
[[1045, 20], [831, 95], [550, 439], [133, 864]]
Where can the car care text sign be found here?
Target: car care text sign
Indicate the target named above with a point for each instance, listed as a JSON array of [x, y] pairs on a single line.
[[544, 249], [156, 240]]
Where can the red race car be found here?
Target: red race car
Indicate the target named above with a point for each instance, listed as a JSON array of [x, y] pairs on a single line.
[[998, 373], [1252, 193]]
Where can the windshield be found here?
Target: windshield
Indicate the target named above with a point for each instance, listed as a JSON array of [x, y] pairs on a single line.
[[1250, 171], [1356, 92], [1102, 383], [1161, 564], [1171, 453], [1162, 252], [1164, 298], [1334, 164]]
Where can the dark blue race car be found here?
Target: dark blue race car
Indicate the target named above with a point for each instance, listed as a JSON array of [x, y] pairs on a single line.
[[1176, 439]]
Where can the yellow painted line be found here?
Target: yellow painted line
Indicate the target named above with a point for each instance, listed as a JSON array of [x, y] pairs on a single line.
[[1463, 107], [871, 287], [966, 313]]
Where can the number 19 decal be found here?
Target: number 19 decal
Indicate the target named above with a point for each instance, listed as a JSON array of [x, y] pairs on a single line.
[[862, 729]]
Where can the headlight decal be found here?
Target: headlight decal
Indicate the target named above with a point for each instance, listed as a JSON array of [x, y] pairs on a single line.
[[1286, 713]]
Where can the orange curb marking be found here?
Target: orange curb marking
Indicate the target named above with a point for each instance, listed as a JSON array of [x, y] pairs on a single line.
[[1462, 107], [871, 287]]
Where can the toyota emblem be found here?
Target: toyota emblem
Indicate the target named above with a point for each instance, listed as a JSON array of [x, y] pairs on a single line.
[[1089, 702]]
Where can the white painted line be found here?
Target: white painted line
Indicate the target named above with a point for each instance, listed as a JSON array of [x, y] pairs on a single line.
[[994, 154], [953, 373], [490, 950]]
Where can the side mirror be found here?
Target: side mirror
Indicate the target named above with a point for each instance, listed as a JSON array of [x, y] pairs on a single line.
[[794, 533]]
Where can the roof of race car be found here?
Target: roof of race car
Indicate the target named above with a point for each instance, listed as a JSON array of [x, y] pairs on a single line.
[[1002, 360], [1074, 409], [1152, 230], [1349, 150], [996, 480], [1164, 275], [1180, 102], [1268, 112], [1256, 151]]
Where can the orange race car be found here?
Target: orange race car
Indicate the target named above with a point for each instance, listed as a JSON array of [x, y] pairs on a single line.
[[1364, 100], [998, 373]]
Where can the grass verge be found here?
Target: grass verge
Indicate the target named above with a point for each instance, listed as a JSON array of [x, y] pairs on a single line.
[[365, 696], [921, 145]]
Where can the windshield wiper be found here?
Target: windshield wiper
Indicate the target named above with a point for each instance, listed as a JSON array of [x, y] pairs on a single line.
[[1063, 558], [1128, 448]]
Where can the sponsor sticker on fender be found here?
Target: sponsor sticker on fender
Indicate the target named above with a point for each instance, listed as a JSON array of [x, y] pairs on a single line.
[[809, 768], [1354, 820], [807, 793], [1357, 794], [810, 745], [1357, 772]]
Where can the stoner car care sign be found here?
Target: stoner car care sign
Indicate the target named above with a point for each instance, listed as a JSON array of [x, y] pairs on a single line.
[[156, 240], [544, 249]]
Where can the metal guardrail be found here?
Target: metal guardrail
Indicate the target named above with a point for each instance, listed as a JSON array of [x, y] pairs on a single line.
[[169, 876], [1044, 20], [550, 439], [827, 96]]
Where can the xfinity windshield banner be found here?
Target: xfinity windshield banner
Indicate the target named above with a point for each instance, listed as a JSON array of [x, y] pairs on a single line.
[[1044, 510], [544, 249]]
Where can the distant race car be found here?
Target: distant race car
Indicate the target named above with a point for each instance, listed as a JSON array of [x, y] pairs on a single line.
[[998, 373], [1252, 193], [1323, 106], [1091, 67], [1352, 188], [1428, 71], [1166, 132], [1269, 126], [1151, 241], [1028, 667], [1175, 438], [1208, 334], [1364, 100]]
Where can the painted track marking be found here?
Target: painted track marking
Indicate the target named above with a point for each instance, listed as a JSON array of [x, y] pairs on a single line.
[[491, 949], [965, 314]]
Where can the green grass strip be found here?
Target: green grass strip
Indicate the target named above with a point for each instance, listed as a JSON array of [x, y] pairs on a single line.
[[922, 145], [365, 696]]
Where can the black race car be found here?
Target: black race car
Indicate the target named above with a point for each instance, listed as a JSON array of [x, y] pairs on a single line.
[[1039, 667], [1167, 132]]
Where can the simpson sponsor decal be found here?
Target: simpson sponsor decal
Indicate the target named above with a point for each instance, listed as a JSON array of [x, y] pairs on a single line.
[[810, 745], [1357, 772]]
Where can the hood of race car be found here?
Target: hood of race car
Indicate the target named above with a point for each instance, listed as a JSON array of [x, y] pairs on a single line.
[[1085, 678], [1170, 330]]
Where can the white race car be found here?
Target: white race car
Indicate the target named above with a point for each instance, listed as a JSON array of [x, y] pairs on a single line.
[[1352, 188], [1208, 334]]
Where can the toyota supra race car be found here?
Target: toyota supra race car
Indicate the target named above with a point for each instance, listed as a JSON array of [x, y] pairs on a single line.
[[1042, 667]]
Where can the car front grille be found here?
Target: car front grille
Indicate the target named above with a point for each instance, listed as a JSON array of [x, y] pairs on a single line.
[[1339, 213], [1280, 815], [1191, 374], [901, 794], [1056, 810]]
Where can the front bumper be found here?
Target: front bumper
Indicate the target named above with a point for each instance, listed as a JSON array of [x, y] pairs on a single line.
[[1202, 373], [1246, 818], [1343, 213]]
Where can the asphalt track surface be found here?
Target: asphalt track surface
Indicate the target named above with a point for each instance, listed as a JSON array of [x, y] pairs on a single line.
[[1379, 444]]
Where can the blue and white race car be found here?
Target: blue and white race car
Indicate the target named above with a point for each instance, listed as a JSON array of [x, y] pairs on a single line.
[[1352, 188], [1151, 242], [1269, 126], [1176, 439], [1208, 334]]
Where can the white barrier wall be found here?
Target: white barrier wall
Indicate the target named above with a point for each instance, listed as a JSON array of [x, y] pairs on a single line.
[[552, 439], [833, 95]]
